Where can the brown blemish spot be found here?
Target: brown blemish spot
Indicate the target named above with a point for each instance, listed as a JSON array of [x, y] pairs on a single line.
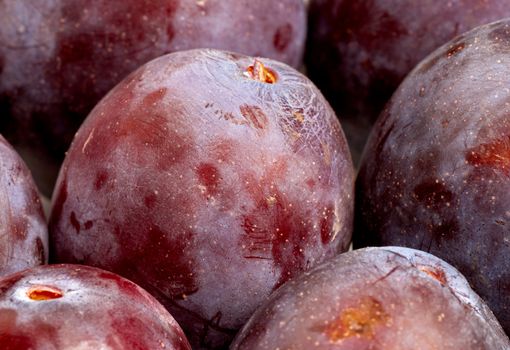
[[359, 321], [74, 221], [434, 272], [88, 225], [101, 177], [255, 116], [282, 37], [154, 97], [208, 176], [150, 200], [326, 224], [42, 293], [261, 73], [495, 154], [455, 49], [433, 194]]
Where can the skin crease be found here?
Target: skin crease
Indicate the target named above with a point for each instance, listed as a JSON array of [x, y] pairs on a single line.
[[23, 231], [72, 307], [439, 160], [207, 187], [59, 58], [386, 298], [359, 51]]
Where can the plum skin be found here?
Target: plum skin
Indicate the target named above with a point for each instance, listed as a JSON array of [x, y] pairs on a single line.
[[434, 175], [58, 58], [387, 298], [23, 228], [70, 306], [358, 52], [205, 186]]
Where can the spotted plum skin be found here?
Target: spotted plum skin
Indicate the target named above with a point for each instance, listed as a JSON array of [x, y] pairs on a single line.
[[358, 52], [59, 58], [23, 230], [435, 173], [206, 186], [387, 298], [64, 307]]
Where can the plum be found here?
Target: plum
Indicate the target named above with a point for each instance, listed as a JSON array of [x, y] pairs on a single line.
[[23, 231], [58, 58], [359, 51], [69, 307], [385, 298], [435, 172], [209, 178]]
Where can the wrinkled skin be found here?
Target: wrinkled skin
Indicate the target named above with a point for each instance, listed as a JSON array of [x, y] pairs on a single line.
[[359, 51], [58, 58], [23, 231], [70, 307], [386, 298], [435, 173], [207, 187]]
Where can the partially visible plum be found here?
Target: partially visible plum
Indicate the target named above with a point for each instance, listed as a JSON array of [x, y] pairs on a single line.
[[209, 178], [58, 58], [23, 231], [376, 298], [436, 171], [71, 307], [359, 51]]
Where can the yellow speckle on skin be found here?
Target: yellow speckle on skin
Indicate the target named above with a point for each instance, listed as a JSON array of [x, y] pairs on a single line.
[[299, 116]]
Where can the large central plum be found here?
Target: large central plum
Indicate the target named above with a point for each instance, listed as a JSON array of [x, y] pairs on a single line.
[[58, 58], [209, 178]]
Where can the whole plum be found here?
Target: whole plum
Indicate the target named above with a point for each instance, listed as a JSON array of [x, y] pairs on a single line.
[[23, 231], [435, 174], [359, 51], [209, 178], [71, 307], [58, 58], [376, 298]]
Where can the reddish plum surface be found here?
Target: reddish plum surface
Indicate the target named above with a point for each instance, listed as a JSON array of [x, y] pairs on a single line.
[[58, 58], [376, 298], [23, 231], [359, 51], [209, 178], [436, 171], [71, 307]]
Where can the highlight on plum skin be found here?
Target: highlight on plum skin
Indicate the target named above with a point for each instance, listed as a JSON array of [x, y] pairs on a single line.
[[375, 298], [65, 307], [23, 230], [209, 178], [435, 172], [59, 58]]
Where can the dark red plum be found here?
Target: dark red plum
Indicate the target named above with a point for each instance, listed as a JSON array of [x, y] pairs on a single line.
[[23, 231], [71, 307], [435, 173], [209, 178], [386, 298], [58, 58], [359, 51]]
